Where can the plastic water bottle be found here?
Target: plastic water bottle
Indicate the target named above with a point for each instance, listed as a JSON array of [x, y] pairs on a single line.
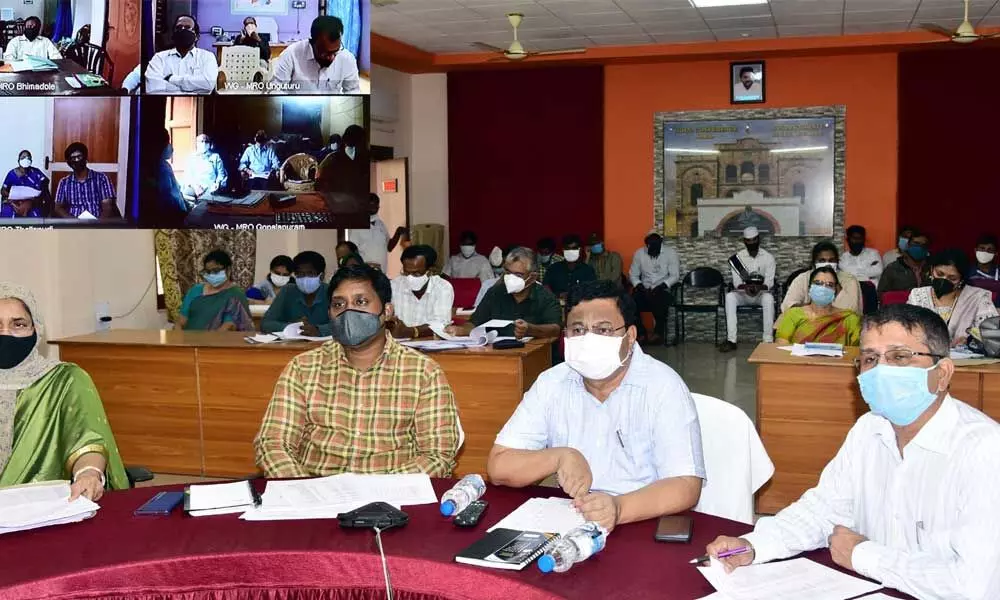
[[576, 546], [469, 489]]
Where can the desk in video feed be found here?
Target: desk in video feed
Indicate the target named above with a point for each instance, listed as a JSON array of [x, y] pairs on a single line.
[[315, 209], [51, 82]]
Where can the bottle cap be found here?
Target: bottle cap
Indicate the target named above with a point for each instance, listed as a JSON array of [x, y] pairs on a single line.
[[447, 508], [546, 563]]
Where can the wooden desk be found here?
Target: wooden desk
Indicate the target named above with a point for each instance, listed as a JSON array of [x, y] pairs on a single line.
[[191, 402], [10, 80], [806, 406], [345, 211]]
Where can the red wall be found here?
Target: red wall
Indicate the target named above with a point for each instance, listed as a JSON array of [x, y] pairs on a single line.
[[525, 154], [949, 144]]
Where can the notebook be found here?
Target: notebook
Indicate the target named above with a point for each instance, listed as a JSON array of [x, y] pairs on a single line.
[[507, 549], [220, 498]]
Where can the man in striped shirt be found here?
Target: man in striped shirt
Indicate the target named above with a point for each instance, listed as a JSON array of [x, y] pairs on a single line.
[[85, 191], [361, 403]]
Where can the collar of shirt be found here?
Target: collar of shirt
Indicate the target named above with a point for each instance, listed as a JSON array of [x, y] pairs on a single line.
[[934, 436], [339, 356]]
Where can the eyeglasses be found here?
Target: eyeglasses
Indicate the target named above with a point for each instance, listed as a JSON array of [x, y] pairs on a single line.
[[826, 284], [896, 358], [605, 329]]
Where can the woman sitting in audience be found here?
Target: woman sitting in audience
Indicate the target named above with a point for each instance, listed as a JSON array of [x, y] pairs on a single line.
[[280, 275], [962, 307], [818, 320], [218, 304], [250, 37], [52, 423], [25, 191]]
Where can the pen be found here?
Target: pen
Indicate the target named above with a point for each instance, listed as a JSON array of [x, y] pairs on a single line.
[[254, 493], [706, 558], [620, 441]]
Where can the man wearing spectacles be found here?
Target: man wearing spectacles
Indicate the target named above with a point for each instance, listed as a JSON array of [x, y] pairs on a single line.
[[910, 498], [617, 427]]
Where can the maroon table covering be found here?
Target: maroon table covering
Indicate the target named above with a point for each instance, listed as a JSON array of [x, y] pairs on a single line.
[[118, 555]]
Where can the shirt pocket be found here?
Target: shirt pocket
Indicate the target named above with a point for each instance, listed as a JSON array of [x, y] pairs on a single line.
[[635, 454]]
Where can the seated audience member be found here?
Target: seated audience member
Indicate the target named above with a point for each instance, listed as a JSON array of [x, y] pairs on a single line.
[[819, 320], [606, 263], [347, 172], [561, 276], [468, 263], [825, 254], [184, 68], [752, 270], [280, 274], [654, 272], [545, 250], [218, 304], [331, 149], [344, 249], [30, 188], [352, 259], [133, 81], [862, 262], [902, 243], [535, 312], [85, 191], [617, 427], [911, 269], [319, 63], [249, 37], [909, 499], [306, 302], [31, 44], [986, 259], [403, 414], [259, 162], [496, 259], [168, 207], [419, 298], [961, 306], [52, 421], [374, 242], [205, 173], [489, 283]]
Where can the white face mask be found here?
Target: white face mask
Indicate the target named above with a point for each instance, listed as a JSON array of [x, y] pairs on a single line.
[[416, 283], [513, 283], [496, 257], [571, 255], [832, 265], [467, 251], [280, 280], [351, 152], [982, 257], [24, 162], [333, 147], [594, 356], [202, 147]]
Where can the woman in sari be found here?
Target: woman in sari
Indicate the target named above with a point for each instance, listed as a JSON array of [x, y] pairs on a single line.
[[52, 422], [218, 304], [961, 306], [818, 320], [29, 188]]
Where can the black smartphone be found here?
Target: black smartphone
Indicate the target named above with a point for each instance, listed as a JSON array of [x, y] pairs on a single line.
[[160, 504], [674, 528]]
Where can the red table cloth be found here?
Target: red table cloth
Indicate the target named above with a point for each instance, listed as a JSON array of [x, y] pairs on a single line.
[[118, 555]]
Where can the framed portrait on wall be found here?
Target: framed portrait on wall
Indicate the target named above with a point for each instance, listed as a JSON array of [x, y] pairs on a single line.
[[746, 81], [259, 7]]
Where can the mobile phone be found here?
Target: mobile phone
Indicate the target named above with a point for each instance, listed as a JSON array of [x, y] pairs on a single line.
[[674, 528], [160, 504]]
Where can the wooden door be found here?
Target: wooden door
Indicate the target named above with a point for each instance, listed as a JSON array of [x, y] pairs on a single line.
[[182, 125], [122, 37], [103, 125], [394, 208]]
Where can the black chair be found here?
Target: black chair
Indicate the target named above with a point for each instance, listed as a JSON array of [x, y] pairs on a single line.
[[91, 57], [788, 283], [702, 278], [869, 297], [137, 474]]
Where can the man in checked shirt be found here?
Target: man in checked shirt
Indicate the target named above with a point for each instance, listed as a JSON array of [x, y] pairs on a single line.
[[361, 403]]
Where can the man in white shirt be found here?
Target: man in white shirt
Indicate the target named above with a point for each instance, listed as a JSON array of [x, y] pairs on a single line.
[[752, 270], [185, 68], [617, 427], [655, 270], [910, 498], [748, 87], [902, 242], [864, 263], [468, 263], [374, 243], [420, 298], [825, 254], [319, 63], [31, 43]]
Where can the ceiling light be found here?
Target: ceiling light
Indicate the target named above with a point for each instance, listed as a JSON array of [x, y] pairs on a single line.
[[692, 151], [719, 3]]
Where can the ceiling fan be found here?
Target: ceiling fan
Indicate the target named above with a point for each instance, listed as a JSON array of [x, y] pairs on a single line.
[[965, 34], [515, 51]]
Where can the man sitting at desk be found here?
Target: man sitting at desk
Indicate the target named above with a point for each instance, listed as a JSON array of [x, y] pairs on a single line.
[[306, 302], [31, 43], [205, 173], [617, 427], [362, 403], [319, 63], [418, 297], [84, 193], [910, 498], [259, 162], [185, 68], [521, 299]]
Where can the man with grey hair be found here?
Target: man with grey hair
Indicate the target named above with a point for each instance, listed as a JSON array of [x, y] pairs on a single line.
[[535, 312], [910, 498]]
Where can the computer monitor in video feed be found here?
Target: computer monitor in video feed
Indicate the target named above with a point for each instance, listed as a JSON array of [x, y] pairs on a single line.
[[242, 162], [65, 161]]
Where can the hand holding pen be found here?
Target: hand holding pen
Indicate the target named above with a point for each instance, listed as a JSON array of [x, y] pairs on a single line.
[[731, 552]]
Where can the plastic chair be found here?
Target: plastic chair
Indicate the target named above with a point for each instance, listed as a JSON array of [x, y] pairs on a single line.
[[240, 65], [702, 278], [894, 297], [736, 462], [298, 173], [466, 290]]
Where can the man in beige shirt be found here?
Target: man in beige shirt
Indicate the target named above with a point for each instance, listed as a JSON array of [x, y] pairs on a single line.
[[825, 254]]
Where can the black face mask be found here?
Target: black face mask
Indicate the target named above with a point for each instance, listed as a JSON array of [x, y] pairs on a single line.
[[77, 165], [261, 140], [13, 350], [184, 38], [856, 247], [653, 248], [31, 34], [942, 287], [752, 248]]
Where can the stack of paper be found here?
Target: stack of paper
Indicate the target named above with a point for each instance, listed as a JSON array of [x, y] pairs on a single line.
[[41, 505], [815, 349], [790, 579], [544, 515], [219, 498], [479, 336], [293, 331]]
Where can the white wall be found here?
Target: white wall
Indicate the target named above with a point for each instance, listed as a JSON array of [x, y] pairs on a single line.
[[23, 124], [23, 11]]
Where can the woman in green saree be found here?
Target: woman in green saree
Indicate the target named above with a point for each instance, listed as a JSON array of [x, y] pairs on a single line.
[[218, 304], [819, 320], [52, 423]]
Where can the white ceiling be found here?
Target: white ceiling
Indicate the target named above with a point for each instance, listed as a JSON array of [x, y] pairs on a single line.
[[443, 26]]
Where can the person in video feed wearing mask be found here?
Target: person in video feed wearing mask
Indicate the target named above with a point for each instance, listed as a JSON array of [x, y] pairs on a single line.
[[29, 188], [318, 64], [259, 162], [84, 194], [31, 44], [307, 302], [205, 173], [184, 68]]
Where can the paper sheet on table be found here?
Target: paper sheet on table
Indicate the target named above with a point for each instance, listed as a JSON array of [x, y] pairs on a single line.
[[477, 337], [262, 338], [465, 312], [786, 580], [293, 331], [963, 353], [877, 596], [831, 350], [260, 175], [23, 192], [496, 324], [214, 496], [40, 505], [543, 515], [19, 66], [433, 345], [86, 215], [258, 310]]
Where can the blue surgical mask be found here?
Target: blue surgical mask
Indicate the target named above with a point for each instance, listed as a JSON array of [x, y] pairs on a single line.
[[215, 279], [307, 285], [899, 394], [903, 244], [821, 295], [917, 252], [597, 249]]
